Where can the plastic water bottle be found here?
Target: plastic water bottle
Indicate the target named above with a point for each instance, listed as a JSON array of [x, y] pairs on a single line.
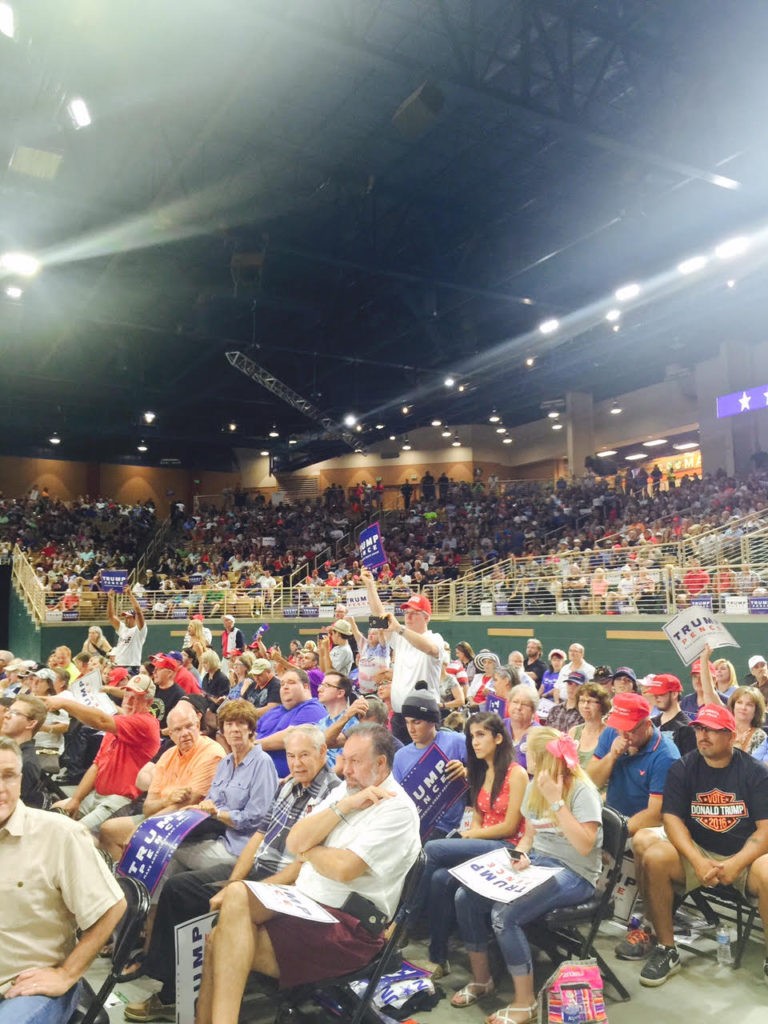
[[723, 940]]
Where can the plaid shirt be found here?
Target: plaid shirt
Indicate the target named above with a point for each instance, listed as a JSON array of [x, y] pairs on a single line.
[[292, 803]]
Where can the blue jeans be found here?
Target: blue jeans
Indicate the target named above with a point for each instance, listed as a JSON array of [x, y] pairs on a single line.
[[478, 915], [40, 1009], [437, 887]]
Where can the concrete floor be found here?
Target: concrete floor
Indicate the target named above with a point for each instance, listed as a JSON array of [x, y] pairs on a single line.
[[701, 989]]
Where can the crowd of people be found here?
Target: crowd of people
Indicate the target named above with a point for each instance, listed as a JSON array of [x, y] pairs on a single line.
[[256, 738]]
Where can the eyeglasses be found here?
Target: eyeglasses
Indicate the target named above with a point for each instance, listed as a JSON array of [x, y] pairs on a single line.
[[333, 686]]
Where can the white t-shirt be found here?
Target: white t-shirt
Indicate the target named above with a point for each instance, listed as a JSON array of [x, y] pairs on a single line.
[[130, 641], [565, 671], [412, 665], [385, 836]]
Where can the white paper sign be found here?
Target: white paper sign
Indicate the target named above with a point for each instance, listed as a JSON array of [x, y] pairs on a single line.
[[286, 899], [357, 603], [87, 690], [692, 629], [493, 876], [190, 946]]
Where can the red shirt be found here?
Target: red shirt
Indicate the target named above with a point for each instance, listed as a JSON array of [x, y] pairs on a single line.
[[186, 680], [696, 580], [123, 753]]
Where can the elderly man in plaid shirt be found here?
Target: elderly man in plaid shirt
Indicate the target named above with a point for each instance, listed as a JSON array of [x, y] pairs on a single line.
[[193, 893]]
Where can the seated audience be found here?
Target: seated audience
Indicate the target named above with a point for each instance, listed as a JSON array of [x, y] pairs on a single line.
[[594, 703], [22, 720], [297, 706], [665, 691]]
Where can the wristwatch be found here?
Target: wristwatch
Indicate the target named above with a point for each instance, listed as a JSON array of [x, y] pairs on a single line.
[[556, 806]]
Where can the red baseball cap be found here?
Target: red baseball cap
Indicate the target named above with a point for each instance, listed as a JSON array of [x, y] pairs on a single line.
[[418, 603], [696, 666], [666, 683], [117, 675], [163, 661], [629, 710], [715, 716]]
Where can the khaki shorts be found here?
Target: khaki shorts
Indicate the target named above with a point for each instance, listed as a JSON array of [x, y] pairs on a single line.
[[692, 880]]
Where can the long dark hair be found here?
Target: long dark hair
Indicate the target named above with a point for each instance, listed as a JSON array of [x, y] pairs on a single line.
[[502, 759]]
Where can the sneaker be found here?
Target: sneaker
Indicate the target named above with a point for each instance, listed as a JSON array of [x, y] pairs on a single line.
[[663, 963], [151, 1010], [637, 945]]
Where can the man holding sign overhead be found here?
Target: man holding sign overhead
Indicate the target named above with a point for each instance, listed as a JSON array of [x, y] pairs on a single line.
[[418, 651]]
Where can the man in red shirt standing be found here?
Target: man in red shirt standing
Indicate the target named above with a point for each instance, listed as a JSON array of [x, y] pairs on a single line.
[[696, 580], [132, 738]]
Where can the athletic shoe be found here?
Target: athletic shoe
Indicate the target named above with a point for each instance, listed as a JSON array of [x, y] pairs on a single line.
[[150, 1010], [663, 963], [637, 945]]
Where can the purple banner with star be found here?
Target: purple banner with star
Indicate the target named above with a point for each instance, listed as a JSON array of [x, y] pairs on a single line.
[[742, 401]]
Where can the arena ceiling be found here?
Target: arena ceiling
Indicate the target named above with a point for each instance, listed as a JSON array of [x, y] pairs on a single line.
[[362, 197]]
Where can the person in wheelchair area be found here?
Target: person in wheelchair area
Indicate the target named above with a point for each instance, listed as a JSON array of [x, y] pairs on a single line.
[[53, 881], [355, 849]]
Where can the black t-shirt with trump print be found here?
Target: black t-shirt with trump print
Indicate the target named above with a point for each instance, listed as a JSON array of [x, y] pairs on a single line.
[[719, 806]]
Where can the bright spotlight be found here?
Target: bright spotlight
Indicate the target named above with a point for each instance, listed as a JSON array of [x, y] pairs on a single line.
[[13, 291], [693, 264], [7, 26], [141, 447], [549, 326], [530, 361], [616, 409], [78, 112], [613, 315], [264, 454], [150, 417], [627, 292], [292, 440], [723, 182], [274, 432], [557, 426], [506, 440], [732, 247], [437, 423], [449, 382], [232, 427], [605, 453], [494, 417], [554, 415], [456, 443], [406, 445], [446, 432], [350, 420], [54, 438], [19, 263]]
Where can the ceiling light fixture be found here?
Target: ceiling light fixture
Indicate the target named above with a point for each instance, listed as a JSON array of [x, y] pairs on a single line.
[[731, 283], [530, 361], [627, 292], [150, 417], [494, 417], [690, 266], [616, 328], [437, 423], [462, 387], [605, 453], [19, 263], [449, 382], [406, 410], [554, 415], [379, 426], [635, 456], [685, 446], [274, 432], [232, 427], [392, 437], [406, 445], [292, 440], [13, 291], [501, 430], [264, 454], [445, 431], [613, 315], [557, 426], [506, 440], [54, 438], [141, 446], [7, 26], [455, 443], [732, 247], [350, 419], [616, 409], [78, 111], [549, 326], [655, 443], [359, 428]]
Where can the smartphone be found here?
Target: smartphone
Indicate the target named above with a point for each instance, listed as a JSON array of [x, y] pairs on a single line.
[[378, 622], [515, 854]]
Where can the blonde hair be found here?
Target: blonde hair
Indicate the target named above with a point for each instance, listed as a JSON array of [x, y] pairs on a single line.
[[540, 758], [195, 630], [732, 677]]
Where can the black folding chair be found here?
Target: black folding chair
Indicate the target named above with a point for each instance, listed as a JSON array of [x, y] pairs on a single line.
[[559, 933], [335, 995], [127, 939], [725, 897]]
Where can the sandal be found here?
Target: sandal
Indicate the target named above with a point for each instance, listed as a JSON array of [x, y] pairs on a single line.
[[508, 1015], [472, 992]]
